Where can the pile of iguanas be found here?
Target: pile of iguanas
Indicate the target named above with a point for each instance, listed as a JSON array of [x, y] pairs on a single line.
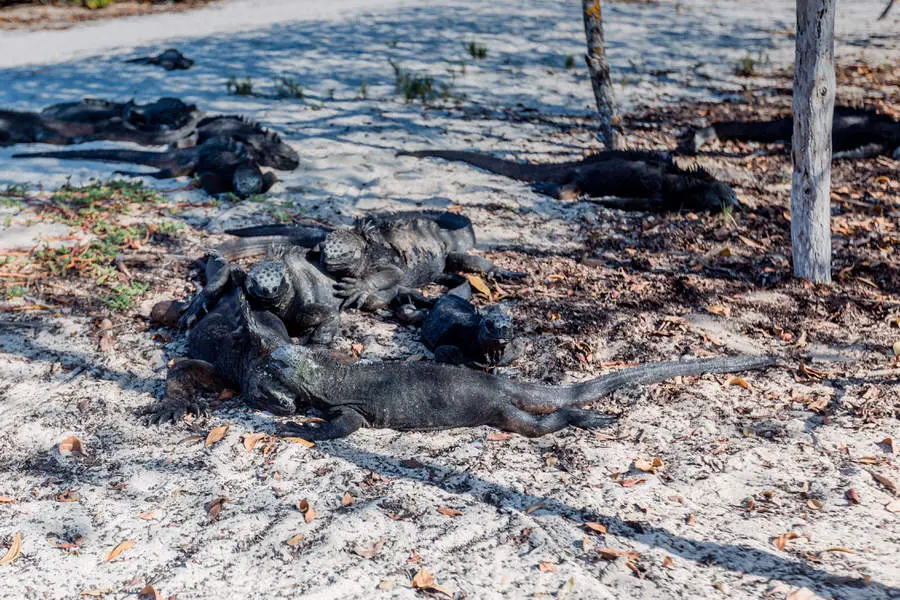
[[224, 154], [242, 322]]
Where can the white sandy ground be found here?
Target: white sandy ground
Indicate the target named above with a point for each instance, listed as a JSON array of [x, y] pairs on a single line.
[[55, 382]]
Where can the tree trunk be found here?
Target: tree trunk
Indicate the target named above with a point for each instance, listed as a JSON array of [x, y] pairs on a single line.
[[813, 106], [599, 70]]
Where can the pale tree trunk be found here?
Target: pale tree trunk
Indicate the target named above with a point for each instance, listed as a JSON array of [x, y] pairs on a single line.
[[599, 70], [813, 106]]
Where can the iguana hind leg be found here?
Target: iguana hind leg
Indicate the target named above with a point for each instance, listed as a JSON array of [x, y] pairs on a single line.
[[531, 425], [184, 378], [468, 263], [341, 423], [322, 320]]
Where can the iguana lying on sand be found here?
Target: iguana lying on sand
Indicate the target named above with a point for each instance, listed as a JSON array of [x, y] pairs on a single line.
[[381, 258], [266, 147], [221, 165], [251, 351], [855, 133], [169, 60], [647, 181], [459, 333], [17, 127]]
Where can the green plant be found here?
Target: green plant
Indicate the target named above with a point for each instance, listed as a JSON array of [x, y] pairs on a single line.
[[95, 4], [745, 67], [570, 61], [16, 291], [123, 296], [476, 50], [414, 86], [239, 87], [364, 90], [286, 87]]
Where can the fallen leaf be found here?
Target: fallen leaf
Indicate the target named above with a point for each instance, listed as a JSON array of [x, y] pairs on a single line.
[[547, 567], [295, 540], [347, 499], [369, 550], [226, 394], [613, 554], [149, 593], [668, 563], [96, 592], [852, 496], [838, 549], [690, 520], [781, 541], [534, 507], [424, 581], [216, 435], [308, 513], [867, 460], [648, 466], [814, 504], [719, 309], [630, 482], [252, 439], [450, 512], [6, 500], [15, 549], [68, 496], [480, 286], [72, 445], [299, 440], [596, 527], [887, 483], [191, 439], [801, 594], [819, 405], [740, 382], [119, 550], [499, 437], [146, 516], [897, 348], [357, 350], [214, 507], [889, 444], [893, 506]]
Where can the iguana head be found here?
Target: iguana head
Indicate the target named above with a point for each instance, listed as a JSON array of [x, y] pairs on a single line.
[[279, 382], [344, 253], [267, 283], [495, 330], [248, 180]]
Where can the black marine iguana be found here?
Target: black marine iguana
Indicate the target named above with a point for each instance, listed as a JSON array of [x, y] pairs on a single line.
[[169, 60], [251, 351], [459, 333], [855, 133], [18, 127], [221, 165], [266, 147], [647, 181], [383, 257]]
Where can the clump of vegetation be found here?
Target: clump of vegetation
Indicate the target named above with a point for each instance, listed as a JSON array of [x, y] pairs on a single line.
[[570, 61], [285, 87], [94, 4], [476, 50], [747, 66], [123, 296], [414, 86], [239, 87], [364, 90]]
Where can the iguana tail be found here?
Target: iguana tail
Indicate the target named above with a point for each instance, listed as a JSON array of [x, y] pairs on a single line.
[[160, 160], [543, 399], [252, 247], [293, 231], [507, 168]]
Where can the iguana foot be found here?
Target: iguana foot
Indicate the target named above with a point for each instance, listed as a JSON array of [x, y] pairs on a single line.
[[355, 292], [506, 275], [169, 410], [341, 423]]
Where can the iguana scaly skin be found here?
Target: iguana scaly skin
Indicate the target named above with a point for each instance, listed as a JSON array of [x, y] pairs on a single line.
[[170, 60], [17, 127], [221, 165], [254, 354], [647, 181], [266, 147], [855, 133]]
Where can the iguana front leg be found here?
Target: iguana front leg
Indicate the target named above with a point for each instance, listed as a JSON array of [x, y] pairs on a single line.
[[341, 423], [469, 263], [184, 378], [357, 291], [226, 277]]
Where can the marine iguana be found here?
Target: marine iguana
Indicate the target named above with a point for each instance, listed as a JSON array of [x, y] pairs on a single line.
[[855, 133], [221, 165], [18, 127], [254, 354], [169, 60], [164, 121], [266, 147], [646, 181], [382, 257], [459, 333]]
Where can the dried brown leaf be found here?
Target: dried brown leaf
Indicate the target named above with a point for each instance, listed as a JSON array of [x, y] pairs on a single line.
[[450, 512], [479, 285], [852, 496], [424, 581], [368, 550], [690, 520], [347, 499], [630, 482], [15, 549], [72, 445], [801, 594], [119, 550], [740, 382], [668, 563], [68, 496], [781, 541], [547, 567], [147, 516], [299, 440], [889, 484], [613, 554], [252, 439], [893, 506], [719, 309], [295, 540], [216, 435], [595, 527], [7, 500], [149, 593], [889, 444], [838, 549], [226, 394], [534, 507], [499, 437], [306, 508], [814, 504]]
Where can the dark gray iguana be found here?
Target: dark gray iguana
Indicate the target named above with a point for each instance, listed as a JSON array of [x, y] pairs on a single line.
[[855, 133], [221, 165], [170, 60], [266, 147], [647, 181], [251, 351]]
